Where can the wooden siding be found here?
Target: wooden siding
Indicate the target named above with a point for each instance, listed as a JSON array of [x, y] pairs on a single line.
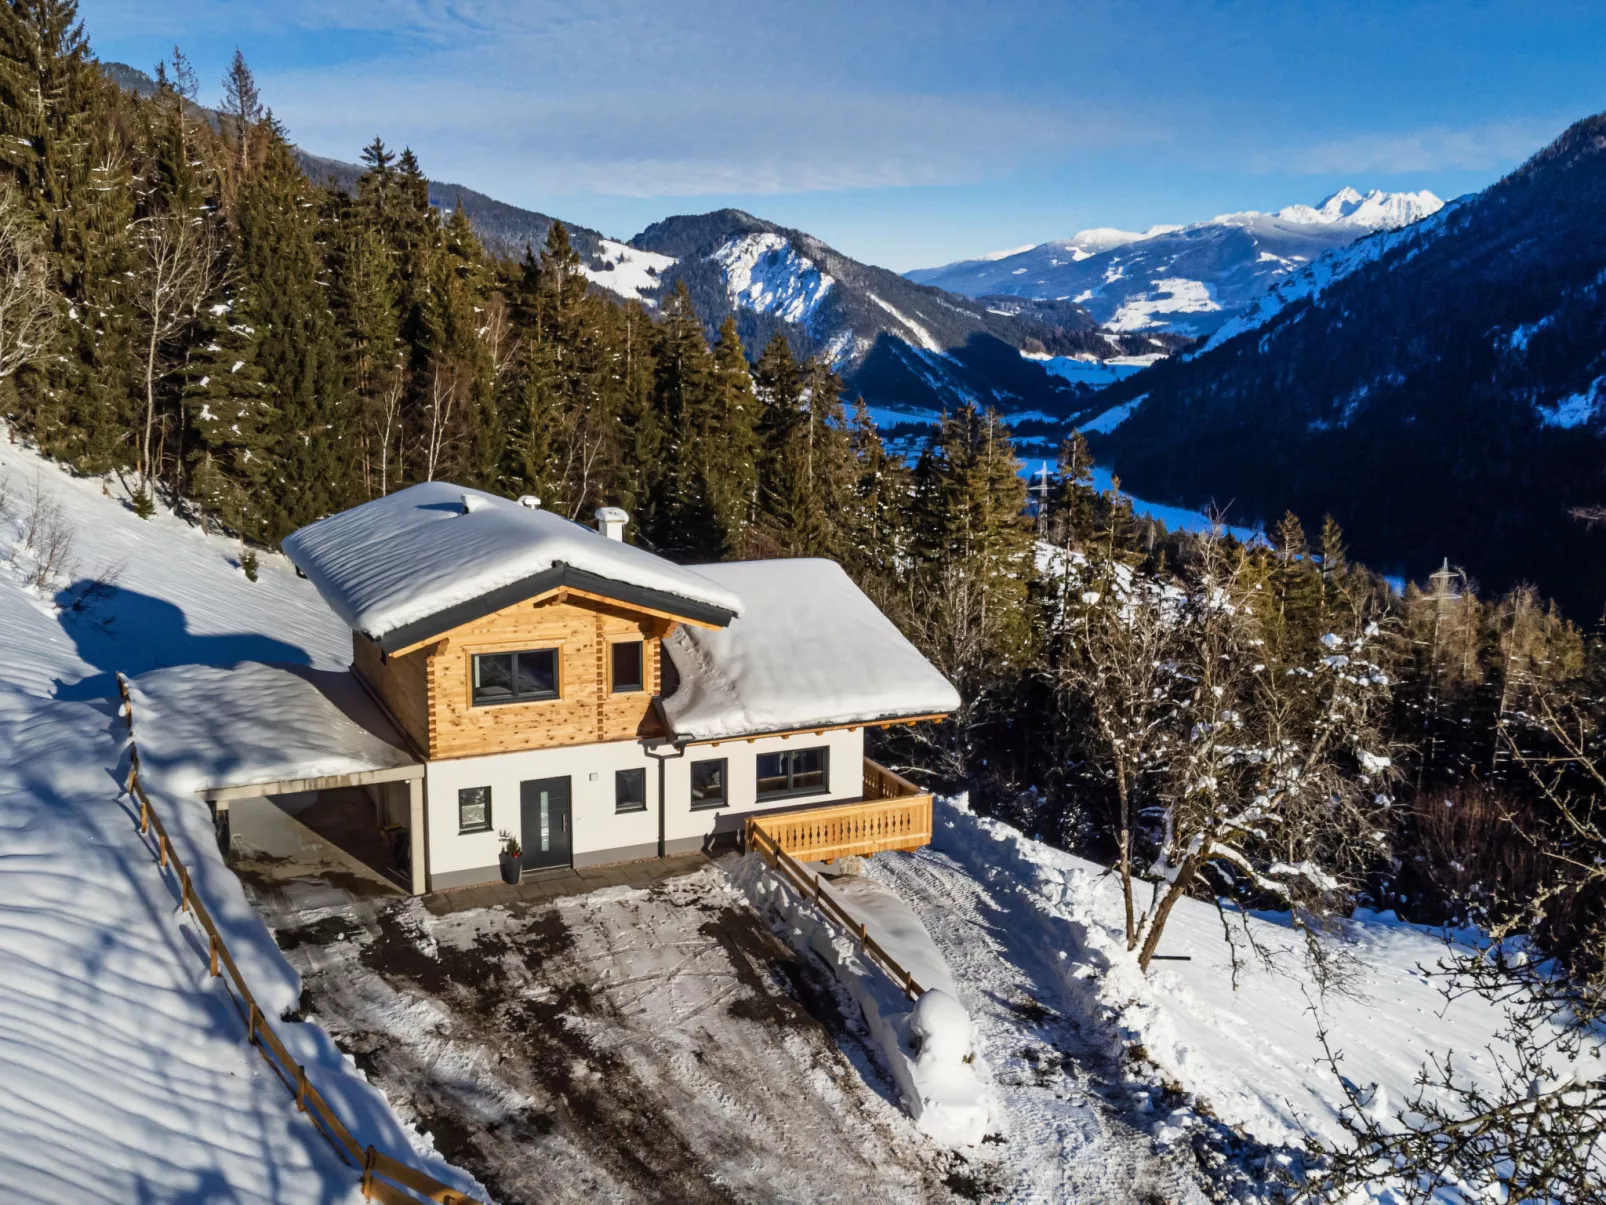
[[432, 687], [400, 684]]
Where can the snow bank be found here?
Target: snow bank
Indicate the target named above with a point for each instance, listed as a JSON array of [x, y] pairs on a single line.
[[1251, 1055], [808, 649], [124, 1072], [930, 1046], [766, 274], [418, 552]]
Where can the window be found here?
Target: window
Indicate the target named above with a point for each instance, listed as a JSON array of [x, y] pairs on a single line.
[[708, 784], [630, 790], [474, 809], [794, 772], [626, 666], [515, 677]]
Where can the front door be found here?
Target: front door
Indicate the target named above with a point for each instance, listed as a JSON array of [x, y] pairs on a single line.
[[544, 817]]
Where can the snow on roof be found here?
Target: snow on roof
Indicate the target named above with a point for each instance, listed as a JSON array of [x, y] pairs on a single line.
[[427, 552], [809, 649], [201, 726]]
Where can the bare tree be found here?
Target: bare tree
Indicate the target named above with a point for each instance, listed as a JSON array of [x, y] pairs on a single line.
[[444, 385], [1534, 1131], [177, 270], [1121, 630], [29, 307]]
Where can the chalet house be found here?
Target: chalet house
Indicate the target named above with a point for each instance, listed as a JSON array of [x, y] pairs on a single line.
[[595, 701]]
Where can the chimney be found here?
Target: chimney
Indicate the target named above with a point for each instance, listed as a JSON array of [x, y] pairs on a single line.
[[472, 503], [611, 522], [529, 502]]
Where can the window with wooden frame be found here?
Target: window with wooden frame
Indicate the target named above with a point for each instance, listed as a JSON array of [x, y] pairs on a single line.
[[630, 790], [709, 781], [474, 809], [517, 677], [626, 666], [793, 772]]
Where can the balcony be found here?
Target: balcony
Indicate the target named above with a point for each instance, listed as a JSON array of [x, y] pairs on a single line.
[[893, 814]]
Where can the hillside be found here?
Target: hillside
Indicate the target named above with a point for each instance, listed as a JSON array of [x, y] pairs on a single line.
[[1436, 389], [900, 344], [1187, 280]]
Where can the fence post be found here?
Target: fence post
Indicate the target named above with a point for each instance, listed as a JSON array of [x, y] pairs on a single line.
[[368, 1175], [212, 942], [301, 1087], [251, 1023], [162, 857]]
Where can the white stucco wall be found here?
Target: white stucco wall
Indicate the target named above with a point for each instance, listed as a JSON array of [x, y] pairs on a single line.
[[597, 827]]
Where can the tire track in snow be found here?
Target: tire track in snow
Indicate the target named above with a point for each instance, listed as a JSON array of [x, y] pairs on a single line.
[[1071, 1128]]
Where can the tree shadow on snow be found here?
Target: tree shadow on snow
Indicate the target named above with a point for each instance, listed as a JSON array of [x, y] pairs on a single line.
[[115, 629]]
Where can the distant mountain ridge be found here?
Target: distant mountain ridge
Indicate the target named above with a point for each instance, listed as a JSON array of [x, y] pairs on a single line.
[[901, 344], [1187, 280], [1439, 388]]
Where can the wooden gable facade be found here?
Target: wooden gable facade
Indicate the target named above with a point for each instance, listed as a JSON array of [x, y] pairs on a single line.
[[428, 689]]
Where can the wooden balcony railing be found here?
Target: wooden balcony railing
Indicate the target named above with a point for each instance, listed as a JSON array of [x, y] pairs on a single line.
[[894, 814]]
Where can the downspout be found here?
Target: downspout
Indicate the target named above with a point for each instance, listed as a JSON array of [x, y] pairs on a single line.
[[676, 750]]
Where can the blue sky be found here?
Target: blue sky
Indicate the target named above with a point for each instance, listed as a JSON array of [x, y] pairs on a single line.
[[905, 134]]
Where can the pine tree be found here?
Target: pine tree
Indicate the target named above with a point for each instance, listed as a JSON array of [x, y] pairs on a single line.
[[730, 459], [281, 268], [226, 406]]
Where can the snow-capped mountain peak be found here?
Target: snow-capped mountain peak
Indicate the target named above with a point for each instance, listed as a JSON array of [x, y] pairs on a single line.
[[766, 274], [1375, 210], [1191, 279]]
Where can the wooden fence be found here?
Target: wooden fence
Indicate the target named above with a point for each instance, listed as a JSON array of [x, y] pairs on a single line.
[[811, 887], [895, 814], [384, 1178]]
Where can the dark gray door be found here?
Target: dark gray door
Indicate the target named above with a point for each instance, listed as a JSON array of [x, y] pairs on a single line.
[[544, 820]]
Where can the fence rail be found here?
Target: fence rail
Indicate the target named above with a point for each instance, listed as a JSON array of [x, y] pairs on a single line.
[[812, 887], [384, 1178]]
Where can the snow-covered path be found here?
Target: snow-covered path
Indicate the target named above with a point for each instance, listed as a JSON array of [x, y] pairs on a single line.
[[1071, 1131]]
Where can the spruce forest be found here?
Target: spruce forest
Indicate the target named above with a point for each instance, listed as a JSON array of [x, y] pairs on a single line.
[[205, 326]]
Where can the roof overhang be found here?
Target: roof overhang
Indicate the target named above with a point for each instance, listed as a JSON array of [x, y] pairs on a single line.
[[935, 717], [292, 786], [560, 576]]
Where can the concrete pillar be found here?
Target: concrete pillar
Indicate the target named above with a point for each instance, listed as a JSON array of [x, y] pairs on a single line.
[[418, 836]]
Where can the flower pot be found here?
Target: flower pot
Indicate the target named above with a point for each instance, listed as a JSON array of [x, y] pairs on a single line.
[[512, 868]]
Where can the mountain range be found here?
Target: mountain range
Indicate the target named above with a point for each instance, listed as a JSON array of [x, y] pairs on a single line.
[[1437, 388], [1186, 280]]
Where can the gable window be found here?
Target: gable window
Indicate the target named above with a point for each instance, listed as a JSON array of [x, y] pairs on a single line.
[[474, 809], [708, 789], [630, 790], [515, 677], [626, 666], [792, 772]]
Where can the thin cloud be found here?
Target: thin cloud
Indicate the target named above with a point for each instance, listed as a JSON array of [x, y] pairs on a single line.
[[1432, 149], [682, 141]]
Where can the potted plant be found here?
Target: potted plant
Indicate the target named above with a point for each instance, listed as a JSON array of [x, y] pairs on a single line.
[[511, 858]]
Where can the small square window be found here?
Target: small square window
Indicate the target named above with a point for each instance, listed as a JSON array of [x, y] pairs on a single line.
[[630, 790], [708, 788], [626, 666], [473, 809]]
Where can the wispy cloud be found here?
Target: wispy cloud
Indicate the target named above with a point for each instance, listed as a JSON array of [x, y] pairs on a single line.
[[1431, 149]]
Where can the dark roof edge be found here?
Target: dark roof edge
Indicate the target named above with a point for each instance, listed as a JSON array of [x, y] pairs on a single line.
[[550, 579]]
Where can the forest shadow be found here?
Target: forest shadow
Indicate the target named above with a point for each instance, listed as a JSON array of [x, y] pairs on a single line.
[[114, 629]]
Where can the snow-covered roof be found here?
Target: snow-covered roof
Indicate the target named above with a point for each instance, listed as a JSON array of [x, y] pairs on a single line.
[[204, 726], [418, 562], [809, 649]]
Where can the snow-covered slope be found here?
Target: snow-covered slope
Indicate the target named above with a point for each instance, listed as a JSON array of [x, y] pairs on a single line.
[[1184, 279], [1249, 1055], [124, 1072]]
